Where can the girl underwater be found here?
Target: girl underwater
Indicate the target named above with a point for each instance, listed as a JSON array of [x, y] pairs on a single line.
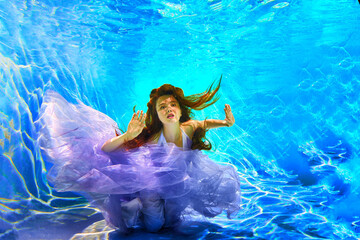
[[154, 175]]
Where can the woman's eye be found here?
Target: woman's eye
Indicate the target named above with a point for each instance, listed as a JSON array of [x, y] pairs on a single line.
[[174, 104], [162, 107]]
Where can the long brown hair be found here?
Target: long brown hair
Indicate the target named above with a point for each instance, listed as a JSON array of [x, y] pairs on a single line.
[[187, 103]]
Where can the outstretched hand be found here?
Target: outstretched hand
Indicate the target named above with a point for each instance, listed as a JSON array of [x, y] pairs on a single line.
[[230, 120], [136, 124]]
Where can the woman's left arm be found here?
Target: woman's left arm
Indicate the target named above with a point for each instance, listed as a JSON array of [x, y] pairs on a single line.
[[215, 123]]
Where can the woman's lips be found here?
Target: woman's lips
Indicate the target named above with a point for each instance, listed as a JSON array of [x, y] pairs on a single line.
[[171, 116]]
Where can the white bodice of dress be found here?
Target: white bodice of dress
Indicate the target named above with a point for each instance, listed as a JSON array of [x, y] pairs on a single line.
[[186, 141]]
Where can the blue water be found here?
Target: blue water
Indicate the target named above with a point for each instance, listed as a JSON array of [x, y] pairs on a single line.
[[291, 73]]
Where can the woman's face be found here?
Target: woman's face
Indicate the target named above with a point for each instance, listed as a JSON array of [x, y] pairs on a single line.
[[168, 109]]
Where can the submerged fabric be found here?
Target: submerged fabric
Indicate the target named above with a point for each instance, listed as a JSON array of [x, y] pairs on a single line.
[[152, 185]]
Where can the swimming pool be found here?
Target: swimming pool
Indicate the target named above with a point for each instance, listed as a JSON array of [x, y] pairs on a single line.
[[290, 72]]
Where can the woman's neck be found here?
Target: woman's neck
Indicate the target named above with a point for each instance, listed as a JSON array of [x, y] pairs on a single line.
[[172, 132]]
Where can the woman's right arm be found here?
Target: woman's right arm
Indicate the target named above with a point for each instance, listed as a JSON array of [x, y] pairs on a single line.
[[135, 127], [116, 142]]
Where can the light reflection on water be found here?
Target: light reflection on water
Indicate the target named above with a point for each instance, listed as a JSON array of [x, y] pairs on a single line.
[[293, 86]]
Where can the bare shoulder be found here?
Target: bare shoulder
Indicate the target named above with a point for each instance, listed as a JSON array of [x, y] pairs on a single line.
[[190, 126]]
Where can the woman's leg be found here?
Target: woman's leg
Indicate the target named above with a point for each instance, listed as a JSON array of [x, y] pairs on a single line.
[[153, 211]]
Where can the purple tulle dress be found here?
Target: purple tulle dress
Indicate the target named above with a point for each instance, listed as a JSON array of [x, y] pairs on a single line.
[[154, 185]]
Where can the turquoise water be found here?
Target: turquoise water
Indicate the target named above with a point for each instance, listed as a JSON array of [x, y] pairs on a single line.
[[291, 73]]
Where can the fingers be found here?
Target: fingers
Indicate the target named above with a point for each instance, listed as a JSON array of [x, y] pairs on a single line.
[[139, 115], [227, 108], [136, 115], [142, 117]]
